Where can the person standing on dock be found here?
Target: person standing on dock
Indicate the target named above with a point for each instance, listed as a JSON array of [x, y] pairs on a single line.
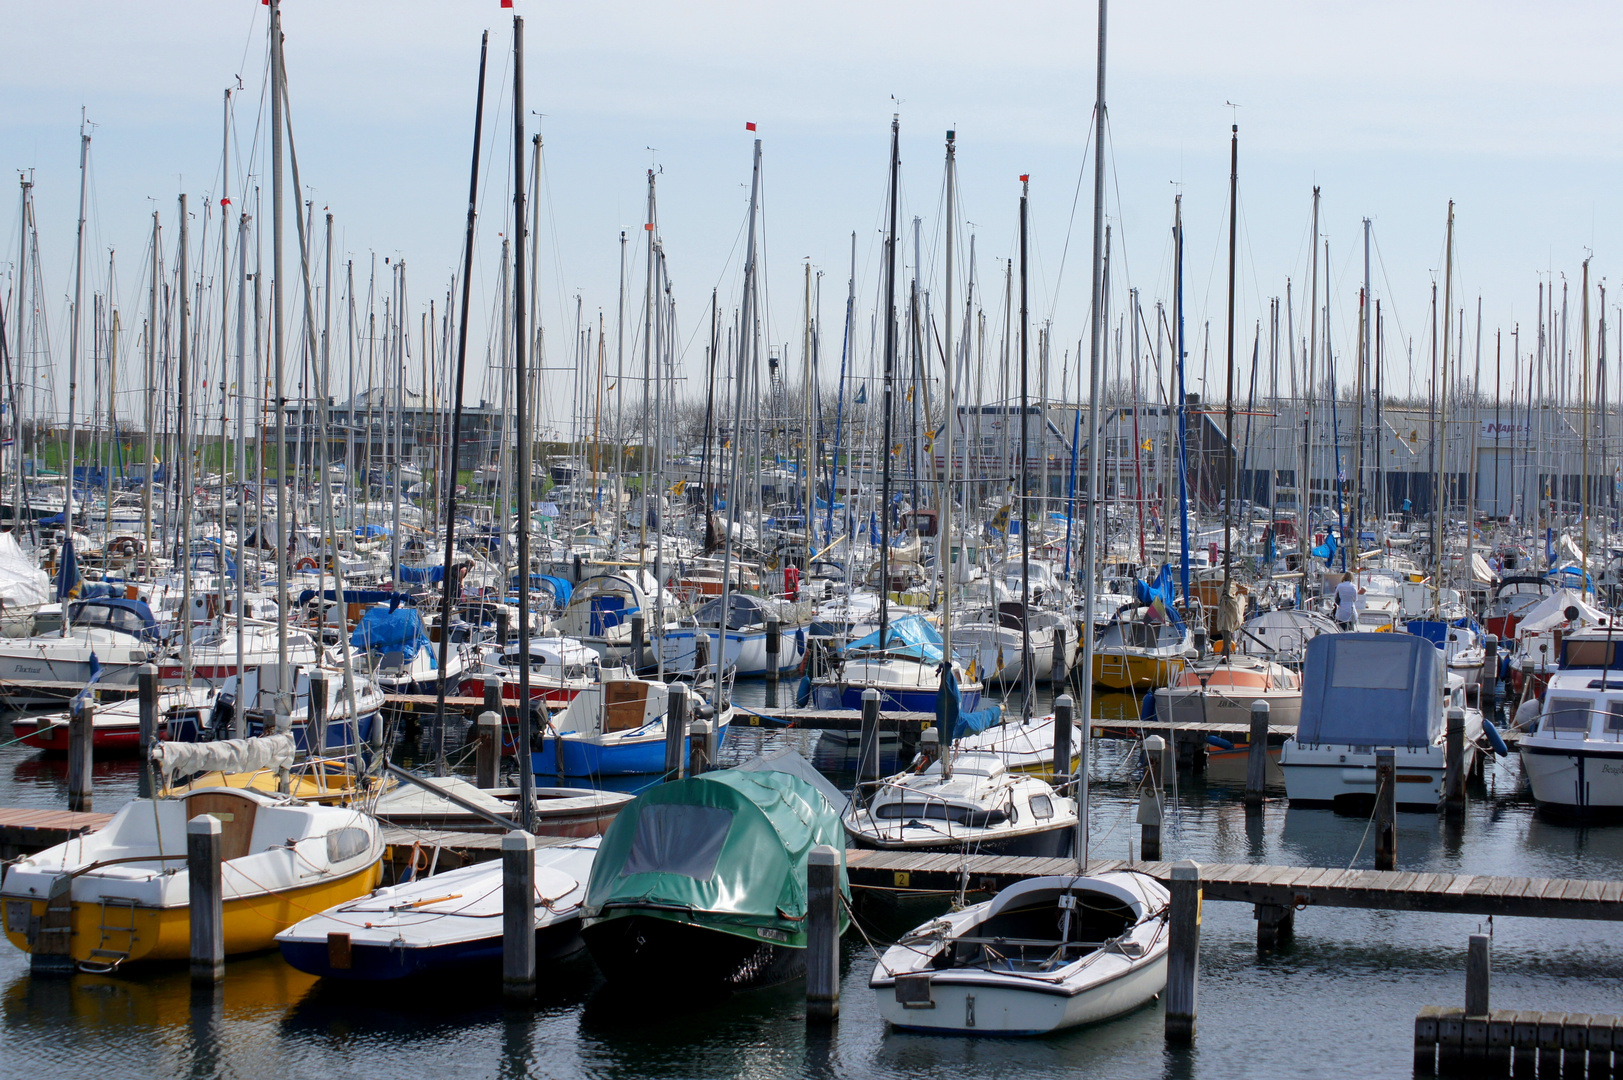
[[1347, 603]]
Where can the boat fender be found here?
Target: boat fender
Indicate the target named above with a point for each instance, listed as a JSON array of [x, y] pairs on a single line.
[[1146, 708], [1494, 738], [1219, 742]]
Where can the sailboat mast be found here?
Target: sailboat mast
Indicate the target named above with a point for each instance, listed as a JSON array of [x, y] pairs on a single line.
[[647, 372], [1090, 528], [526, 779], [238, 721], [73, 340], [1027, 661], [1228, 408], [890, 374], [944, 551], [284, 675], [184, 458]]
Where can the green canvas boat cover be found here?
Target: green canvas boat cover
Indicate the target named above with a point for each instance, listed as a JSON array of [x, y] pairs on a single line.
[[724, 850]]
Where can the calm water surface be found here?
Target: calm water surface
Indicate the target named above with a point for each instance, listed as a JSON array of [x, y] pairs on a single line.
[[1337, 1002]]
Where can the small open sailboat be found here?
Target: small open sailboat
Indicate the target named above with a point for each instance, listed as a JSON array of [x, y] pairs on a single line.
[[1043, 955], [442, 925], [121, 894], [615, 728]]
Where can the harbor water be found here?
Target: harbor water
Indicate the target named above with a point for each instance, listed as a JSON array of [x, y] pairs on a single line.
[[1337, 1001]]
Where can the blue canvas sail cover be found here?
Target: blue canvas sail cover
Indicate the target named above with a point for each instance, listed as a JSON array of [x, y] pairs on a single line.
[[1158, 594], [400, 630], [909, 635], [949, 714], [1436, 631], [1371, 690]]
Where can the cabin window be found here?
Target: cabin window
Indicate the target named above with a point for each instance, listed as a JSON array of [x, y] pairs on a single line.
[[1589, 654], [1614, 717], [672, 838], [919, 811], [1372, 665], [1042, 807], [1566, 714]]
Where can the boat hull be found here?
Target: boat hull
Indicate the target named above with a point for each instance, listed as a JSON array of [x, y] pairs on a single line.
[[964, 1005], [634, 948], [641, 756], [1330, 774], [164, 933], [1033, 843], [384, 961], [1175, 705], [1135, 671], [1575, 784]]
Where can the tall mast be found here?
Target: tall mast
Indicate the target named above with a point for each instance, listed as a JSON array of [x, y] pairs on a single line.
[[620, 390], [284, 675], [1442, 407], [17, 352], [1304, 485], [647, 372], [184, 458], [238, 729], [1090, 537], [889, 390], [1027, 661], [448, 582], [1228, 409], [73, 339], [944, 543], [1583, 415], [526, 779]]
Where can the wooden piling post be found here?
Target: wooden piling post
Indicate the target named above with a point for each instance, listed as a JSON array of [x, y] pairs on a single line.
[[1425, 1040], [81, 725], [1057, 674], [1501, 1030], [1386, 810], [518, 916], [1256, 760], [823, 934], [503, 621], [205, 896], [147, 684], [676, 733], [1603, 1040], [701, 747], [639, 628], [868, 741], [1487, 695], [1454, 763], [493, 695], [1275, 923], [316, 713], [1551, 1026], [1450, 1040], [1575, 1045], [1478, 974], [774, 645], [1150, 801], [1064, 725], [1183, 961], [488, 749], [1524, 1040]]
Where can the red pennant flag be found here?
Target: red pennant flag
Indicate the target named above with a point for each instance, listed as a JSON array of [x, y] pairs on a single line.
[[648, 227], [749, 127], [225, 202], [1024, 177], [507, 3]]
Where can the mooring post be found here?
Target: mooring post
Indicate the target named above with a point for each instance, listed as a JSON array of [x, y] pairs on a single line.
[[1275, 923], [1151, 807], [493, 695], [639, 628], [81, 724], [1155, 759], [1425, 1040], [1056, 672], [1454, 764], [1064, 725], [1386, 809], [774, 643], [203, 844], [488, 749], [1183, 960], [317, 712], [701, 747], [518, 916], [1603, 1040], [1501, 1029], [1487, 695], [147, 685], [1551, 1028], [823, 934], [676, 733], [868, 741], [1256, 759], [1474, 1034], [503, 621]]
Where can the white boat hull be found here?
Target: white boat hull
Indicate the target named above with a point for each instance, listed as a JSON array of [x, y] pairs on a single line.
[[967, 1004]]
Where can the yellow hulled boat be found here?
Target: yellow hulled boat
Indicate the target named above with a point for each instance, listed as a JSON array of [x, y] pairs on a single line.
[[1135, 653]]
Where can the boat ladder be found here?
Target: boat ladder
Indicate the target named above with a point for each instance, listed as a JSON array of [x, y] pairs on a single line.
[[105, 958], [1113, 664]]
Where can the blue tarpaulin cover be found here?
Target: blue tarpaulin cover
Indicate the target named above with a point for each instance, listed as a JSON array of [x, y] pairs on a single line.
[[1436, 632], [400, 630], [1371, 690], [949, 705], [412, 575], [1158, 594], [909, 636]]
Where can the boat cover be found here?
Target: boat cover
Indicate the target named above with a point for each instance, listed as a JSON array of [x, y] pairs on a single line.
[[1552, 611], [1371, 690], [22, 584], [909, 636], [225, 755], [400, 630], [725, 850]]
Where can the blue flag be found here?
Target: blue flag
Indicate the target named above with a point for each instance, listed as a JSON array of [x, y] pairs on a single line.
[[68, 579]]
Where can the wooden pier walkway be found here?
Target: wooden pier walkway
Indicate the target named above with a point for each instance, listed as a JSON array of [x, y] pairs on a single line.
[[1285, 887], [24, 831]]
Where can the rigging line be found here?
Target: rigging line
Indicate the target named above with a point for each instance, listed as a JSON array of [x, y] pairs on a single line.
[[1070, 224]]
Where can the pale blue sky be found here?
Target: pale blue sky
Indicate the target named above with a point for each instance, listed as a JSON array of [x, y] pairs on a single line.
[[1393, 108]]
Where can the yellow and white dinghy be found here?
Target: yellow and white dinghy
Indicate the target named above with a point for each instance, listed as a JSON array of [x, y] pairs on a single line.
[[121, 894]]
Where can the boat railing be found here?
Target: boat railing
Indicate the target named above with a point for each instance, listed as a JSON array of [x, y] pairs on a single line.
[[910, 794]]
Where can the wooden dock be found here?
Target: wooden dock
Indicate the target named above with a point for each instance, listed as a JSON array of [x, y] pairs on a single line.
[[427, 703], [1282, 887], [908, 723], [24, 831]]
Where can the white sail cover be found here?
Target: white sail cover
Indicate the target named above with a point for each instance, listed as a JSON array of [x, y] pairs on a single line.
[[225, 755], [22, 584]]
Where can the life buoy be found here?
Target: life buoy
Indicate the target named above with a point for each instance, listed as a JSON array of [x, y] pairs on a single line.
[[306, 563]]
